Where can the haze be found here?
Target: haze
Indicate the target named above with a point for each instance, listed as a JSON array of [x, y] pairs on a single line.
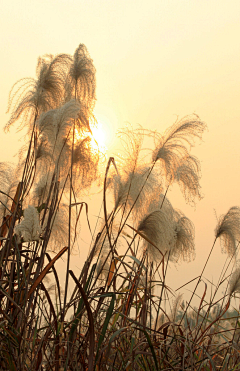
[[155, 60]]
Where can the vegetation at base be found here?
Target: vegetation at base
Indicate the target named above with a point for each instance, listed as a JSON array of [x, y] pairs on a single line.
[[121, 314]]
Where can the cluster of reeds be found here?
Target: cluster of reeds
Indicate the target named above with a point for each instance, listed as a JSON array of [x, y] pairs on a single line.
[[120, 314]]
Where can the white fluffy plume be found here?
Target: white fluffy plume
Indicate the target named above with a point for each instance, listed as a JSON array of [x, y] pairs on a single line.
[[29, 228]]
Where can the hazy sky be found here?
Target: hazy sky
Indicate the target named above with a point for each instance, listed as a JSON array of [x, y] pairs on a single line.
[[155, 60]]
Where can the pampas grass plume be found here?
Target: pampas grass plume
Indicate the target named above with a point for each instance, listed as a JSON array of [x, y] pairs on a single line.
[[172, 147], [234, 283], [228, 229], [29, 228], [159, 229]]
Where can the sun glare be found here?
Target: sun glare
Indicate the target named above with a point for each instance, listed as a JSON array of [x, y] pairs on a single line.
[[99, 136]]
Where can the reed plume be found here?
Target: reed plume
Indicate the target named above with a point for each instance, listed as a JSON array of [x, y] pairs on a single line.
[[127, 187], [184, 247], [159, 230], [234, 282], [228, 230], [8, 186], [172, 147], [80, 82], [29, 228], [30, 97], [187, 175]]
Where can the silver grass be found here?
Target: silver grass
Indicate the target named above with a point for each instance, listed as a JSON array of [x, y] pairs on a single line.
[[29, 96], [234, 282], [187, 175], [172, 147], [80, 81], [159, 229], [127, 187], [58, 228], [184, 247], [42, 153], [156, 201], [8, 185], [85, 164], [29, 228], [41, 188], [55, 124], [228, 230], [132, 141], [132, 173]]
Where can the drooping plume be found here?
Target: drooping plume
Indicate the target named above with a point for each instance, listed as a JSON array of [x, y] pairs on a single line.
[[184, 247], [234, 283], [173, 146], [228, 229], [55, 124], [128, 187], [134, 181], [159, 229], [187, 175], [29, 97]]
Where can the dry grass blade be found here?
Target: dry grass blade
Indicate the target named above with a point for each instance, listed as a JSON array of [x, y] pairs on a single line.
[[45, 271], [91, 323]]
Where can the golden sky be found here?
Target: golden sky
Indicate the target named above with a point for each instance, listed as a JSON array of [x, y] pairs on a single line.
[[155, 60]]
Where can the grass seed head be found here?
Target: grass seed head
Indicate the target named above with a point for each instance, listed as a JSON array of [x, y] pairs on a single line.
[[228, 230]]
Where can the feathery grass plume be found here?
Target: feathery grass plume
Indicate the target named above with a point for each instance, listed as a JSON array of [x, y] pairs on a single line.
[[42, 153], [184, 247], [58, 228], [187, 176], [127, 187], [55, 124], [228, 229], [171, 148], [85, 164], [29, 96], [8, 185], [132, 172], [234, 282], [41, 188], [29, 228], [156, 201], [176, 304], [132, 141], [158, 229], [80, 81]]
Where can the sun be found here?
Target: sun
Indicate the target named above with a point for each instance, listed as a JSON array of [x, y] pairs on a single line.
[[99, 137], [102, 136]]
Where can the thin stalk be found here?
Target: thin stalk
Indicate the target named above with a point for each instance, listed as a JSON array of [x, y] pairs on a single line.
[[200, 277], [70, 216]]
